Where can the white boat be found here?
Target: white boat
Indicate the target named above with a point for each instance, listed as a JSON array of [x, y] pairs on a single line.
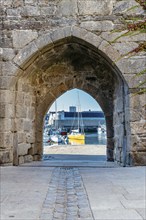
[[77, 134], [55, 135], [101, 129], [56, 138]]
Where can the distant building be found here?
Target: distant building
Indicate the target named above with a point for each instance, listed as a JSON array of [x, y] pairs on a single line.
[[72, 108], [90, 120]]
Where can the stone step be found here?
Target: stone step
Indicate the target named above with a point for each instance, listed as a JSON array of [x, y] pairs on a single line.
[[71, 163]]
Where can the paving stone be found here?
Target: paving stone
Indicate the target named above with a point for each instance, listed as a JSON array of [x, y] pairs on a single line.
[[70, 198], [117, 215]]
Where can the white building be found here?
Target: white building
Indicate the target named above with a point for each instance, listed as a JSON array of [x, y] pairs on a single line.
[[90, 120]]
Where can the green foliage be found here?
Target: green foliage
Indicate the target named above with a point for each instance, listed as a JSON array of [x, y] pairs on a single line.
[[135, 6], [137, 26], [141, 47], [142, 3]]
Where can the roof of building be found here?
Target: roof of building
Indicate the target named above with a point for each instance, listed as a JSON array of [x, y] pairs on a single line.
[[88, 114]]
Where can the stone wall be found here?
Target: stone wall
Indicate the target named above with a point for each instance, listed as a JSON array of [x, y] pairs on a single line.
[[49, 47]]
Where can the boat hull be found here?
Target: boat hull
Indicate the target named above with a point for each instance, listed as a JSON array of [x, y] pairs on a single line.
[[76, 136], [55, 138], [76, 141]]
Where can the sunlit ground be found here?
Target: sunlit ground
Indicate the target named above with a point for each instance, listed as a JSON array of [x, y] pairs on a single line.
[[76, 149]]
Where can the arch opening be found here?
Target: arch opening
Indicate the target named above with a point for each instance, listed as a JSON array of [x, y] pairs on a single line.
[[65, 66], [75, 110]]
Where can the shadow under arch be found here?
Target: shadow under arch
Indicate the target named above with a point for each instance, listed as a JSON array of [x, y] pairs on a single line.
[[67, 62]]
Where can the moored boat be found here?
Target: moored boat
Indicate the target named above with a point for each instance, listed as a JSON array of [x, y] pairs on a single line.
[[75, 134], [56, 138], [78, 134]]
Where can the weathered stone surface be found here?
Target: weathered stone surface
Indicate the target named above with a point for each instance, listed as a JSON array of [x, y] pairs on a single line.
[[138, 127], [138, 158], [43, 41], [23, 148], [45, 11], [9, 69], [6, 156], [112, 53], [6, 81], [134, 81], [23, 37], [7, 110], [27, 125], [6, 140], [139, 37], [20, 112], [21, 137], [6, 124], [133, 65], [94, 7], [30, 11], [123, 36], [57, 35], [113, 36], [14, 12], [17, 3], [49, 47], [98, 25], [21, 160], [123, 6], [26, 52], [30, 138], [7, 96], [29, 2], [68, 8], [28, 158], [8, 54], [7, 3], [125, 48]]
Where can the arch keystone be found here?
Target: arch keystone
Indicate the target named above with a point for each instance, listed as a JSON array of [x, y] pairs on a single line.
[[58, 34], [86, 36]]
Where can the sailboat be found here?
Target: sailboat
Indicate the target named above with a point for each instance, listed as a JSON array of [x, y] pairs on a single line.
[[101, 129], [77, 134], [55, 134]]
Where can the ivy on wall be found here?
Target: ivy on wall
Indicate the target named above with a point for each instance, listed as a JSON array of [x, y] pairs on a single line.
[[142, 3], [133, 28], [142, 46], [141, 25]]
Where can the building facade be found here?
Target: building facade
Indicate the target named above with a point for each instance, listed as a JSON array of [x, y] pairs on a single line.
[[88, 120]]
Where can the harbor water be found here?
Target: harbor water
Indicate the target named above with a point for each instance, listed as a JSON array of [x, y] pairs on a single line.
[[90, 138]]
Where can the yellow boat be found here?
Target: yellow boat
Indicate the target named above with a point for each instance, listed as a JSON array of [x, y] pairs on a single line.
[[76, 141], [76, 135]]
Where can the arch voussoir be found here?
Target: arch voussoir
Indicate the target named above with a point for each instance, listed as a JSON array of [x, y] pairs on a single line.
[[47, 41]]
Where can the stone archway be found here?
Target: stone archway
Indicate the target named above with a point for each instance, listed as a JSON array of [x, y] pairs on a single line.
[[59, 61]]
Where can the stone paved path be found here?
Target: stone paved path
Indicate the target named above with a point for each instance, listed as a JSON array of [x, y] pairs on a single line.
[[66, 197], [72, 193]]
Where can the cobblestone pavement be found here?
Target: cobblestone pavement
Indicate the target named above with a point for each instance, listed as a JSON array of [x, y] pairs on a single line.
[[66, 197], [72, 193]]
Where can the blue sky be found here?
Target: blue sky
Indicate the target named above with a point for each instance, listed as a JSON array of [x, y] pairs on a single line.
[[70, 98]]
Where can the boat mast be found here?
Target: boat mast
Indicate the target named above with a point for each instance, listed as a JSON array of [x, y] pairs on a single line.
[[78, 113], [56, 124]]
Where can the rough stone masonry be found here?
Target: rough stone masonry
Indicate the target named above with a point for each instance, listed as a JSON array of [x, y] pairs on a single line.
[[51, 46]]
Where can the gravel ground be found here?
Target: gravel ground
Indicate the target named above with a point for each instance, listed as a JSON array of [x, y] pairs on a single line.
[[76, 149]]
